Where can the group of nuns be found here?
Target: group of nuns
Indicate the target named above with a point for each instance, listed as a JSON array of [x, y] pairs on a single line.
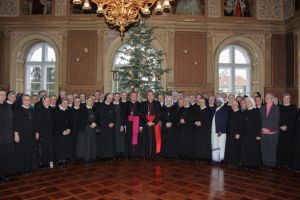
[[39, 131]]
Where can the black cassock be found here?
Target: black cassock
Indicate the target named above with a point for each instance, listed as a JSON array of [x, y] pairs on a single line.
[[296, 164], [286, 140], [186, 134], [148, 134], [233, 145], [75, 129], [62, 143], [202, 134], [44, 124], [7, 164], [250, 147], [87, 147], [106, 115], [26, 152], [135, 150], [119, 136], [169, 135]]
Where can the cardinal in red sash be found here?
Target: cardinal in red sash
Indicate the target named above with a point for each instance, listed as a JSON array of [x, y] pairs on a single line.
[[151, 111]]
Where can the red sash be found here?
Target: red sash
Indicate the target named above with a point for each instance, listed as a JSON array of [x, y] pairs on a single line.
[[157, 133], [135, 128]]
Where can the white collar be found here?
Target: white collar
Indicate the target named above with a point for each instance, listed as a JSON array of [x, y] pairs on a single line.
[[26, 107], [76, 107], [236, 110], [168, 106], [106, 103], [53, 106], [286, 104], [61, 108], [203, 108], [186, 106], [96, 101], [123, 101], [9, 102], [88, 107], [211, 105], [251, 108], [116, 102]]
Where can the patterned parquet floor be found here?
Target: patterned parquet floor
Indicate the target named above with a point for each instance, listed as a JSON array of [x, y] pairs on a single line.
[[153, 180]]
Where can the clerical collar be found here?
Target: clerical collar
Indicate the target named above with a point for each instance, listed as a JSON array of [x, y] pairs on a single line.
[[46, 107], [161, 103], [286, 104], [76, 107], [106, 103], [251, 108], [116, 102], [26, 107], [89, 107], [203, 108], [9, 102], [62, 108]]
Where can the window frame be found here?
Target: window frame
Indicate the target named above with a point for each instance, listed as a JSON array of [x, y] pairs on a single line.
[[232, 66], [44, 65]]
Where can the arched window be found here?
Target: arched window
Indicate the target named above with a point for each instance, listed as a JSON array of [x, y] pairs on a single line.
[[121, 59], [235, 71], [40, 69]]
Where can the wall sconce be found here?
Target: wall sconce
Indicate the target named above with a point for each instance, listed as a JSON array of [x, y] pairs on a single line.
[[86, 50], [77, 59], [185, 51], [195, 63]]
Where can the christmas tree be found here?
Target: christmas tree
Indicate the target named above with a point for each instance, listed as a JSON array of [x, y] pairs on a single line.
[[144, 71]]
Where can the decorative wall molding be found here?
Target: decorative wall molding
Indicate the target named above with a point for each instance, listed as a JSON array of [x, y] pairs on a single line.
[[60, 8], [214, 8], [55, 36], [270, 9], [289, 8], [9, 8]]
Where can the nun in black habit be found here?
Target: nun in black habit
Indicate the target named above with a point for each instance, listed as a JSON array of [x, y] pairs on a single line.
[[286, 140], [169, 132], [62, 131], [44, 124], [202, 117], [76, 117], [86, 147], [185, 141], [106, 120], [25, 137], [251, 136], [119, 126], [7, 164], [235, 126]]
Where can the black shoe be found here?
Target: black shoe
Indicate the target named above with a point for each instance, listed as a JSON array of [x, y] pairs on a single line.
[[3, 178]]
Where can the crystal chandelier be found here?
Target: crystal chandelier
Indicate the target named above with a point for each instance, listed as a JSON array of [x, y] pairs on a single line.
[[122, 13]]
